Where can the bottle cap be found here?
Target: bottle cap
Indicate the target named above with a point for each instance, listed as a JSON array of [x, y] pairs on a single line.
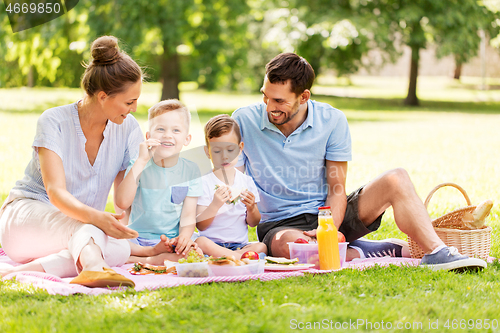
[[325, 207]]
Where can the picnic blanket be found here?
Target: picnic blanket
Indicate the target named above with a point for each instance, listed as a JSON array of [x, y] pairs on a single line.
[[56, 285]]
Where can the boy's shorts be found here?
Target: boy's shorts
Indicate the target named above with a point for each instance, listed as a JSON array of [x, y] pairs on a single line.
[[232, 246], [352, 227]]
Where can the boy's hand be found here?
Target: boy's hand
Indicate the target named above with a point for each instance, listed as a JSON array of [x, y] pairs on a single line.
[[147, 148], [183, 244], [247, 198], [198, 249], [221, 195]]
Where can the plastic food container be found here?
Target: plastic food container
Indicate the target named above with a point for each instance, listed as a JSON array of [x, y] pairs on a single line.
[[342, 252], [256, 267], [195, 269], [308, 253]]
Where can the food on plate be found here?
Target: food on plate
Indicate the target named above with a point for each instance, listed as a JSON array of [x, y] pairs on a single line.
[[144, 269], [235, 194], [228, 260], [284, 264], [281, 261], [252, 255], [294, 267], [301, 241], [222, 261], [192, 257]]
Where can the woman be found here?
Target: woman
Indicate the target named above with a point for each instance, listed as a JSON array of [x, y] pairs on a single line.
[[54, 218]]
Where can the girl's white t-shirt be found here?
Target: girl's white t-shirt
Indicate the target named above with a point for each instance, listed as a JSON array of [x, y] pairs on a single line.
[[229, 225]]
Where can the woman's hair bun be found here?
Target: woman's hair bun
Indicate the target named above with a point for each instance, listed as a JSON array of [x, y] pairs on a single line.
[[110, 70], [105, 51]]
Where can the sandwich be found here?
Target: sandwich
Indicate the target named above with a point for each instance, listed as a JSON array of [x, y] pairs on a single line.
[[235, 194]]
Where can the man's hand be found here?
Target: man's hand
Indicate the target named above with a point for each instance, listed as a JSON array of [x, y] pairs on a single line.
[[312, 234]]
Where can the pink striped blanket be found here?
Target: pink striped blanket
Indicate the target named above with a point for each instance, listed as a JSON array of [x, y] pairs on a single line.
[[55, 285]]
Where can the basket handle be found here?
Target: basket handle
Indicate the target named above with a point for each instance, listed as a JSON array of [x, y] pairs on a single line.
[[426, 203]]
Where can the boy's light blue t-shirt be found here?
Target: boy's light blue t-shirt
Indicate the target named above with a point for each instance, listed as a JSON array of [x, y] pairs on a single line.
[[290, 171], [160, 195]]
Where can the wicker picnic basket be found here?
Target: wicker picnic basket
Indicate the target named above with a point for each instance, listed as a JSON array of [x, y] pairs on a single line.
[[473, 243]]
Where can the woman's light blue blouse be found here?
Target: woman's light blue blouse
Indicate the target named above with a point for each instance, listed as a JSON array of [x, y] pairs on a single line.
[[59, 130]]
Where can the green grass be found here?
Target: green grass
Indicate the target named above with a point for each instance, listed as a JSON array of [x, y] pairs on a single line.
[[450, 138]]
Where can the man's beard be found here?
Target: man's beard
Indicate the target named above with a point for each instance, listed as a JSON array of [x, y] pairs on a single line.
[[295, 111]]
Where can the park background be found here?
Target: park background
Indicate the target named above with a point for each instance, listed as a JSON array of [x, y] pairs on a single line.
[[441, 126]]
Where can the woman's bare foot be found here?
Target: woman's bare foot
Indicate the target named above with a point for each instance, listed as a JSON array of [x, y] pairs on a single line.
[[91, 258]]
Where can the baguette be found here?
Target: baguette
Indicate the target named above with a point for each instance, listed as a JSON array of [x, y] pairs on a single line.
[[477, 218]]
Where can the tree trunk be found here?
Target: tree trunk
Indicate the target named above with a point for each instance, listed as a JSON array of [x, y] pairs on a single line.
[[170, 76], [458, 70], [31, 77], [412, 98]]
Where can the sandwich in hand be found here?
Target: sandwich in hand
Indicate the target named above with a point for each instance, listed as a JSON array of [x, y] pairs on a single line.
[[235, 194]]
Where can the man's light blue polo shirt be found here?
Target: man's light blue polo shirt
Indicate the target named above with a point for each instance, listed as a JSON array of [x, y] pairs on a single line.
[[290, 171]]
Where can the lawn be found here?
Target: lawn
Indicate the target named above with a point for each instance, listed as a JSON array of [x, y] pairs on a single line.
[[452, 137]]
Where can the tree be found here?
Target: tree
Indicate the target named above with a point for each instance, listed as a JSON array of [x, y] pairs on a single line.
[[324, 32], [462, 40], [49, 54], [330, 34], [195, 35], [417, 23]]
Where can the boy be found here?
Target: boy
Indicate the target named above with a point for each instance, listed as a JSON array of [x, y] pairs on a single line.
[[223, 211], [162, 188]]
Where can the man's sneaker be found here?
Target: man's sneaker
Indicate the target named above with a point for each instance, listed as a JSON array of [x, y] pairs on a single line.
[[448, 258], [391, 247]]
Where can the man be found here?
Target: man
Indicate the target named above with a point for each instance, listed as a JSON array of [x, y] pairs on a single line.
[[297, 150]]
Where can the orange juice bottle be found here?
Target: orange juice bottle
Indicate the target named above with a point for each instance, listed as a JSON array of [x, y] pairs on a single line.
[[328, 245]]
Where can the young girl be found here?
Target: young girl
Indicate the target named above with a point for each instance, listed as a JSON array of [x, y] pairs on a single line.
[[229, 201]]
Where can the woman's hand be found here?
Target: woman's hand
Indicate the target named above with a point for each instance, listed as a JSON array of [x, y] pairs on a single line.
[[110, 224]]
